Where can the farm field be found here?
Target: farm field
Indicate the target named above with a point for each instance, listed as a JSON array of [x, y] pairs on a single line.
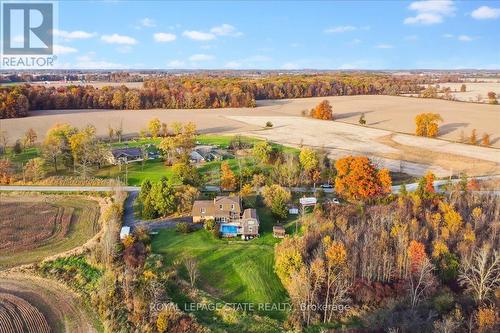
[[473, 90], [232, 270], [391, 113], [387, 149], [35, 227], [36, 305]]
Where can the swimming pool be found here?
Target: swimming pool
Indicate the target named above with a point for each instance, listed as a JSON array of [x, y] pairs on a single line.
[[227, 230]]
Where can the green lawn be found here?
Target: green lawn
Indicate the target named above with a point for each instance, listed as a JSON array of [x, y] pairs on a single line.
[[232, 270]]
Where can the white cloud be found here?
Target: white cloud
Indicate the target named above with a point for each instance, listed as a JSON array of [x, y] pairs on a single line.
[[232, 64], [424, 18], [465, 38], [290, 65], [445, 7], [201, 57], [61, 49], [462, 38], [148, 23], [225, 30], [384, 46], [430, 11], [164, 37], [198, 35], [175, 64], [345, 28], [485, 13], [355, 41], [70, 35], [118, 39]]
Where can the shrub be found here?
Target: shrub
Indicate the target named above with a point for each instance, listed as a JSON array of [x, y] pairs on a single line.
[[209, 225], [269, 124], [215, 231], [183, 227], [443, 302]]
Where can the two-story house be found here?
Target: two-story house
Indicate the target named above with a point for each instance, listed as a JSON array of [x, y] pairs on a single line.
[[227, 211]]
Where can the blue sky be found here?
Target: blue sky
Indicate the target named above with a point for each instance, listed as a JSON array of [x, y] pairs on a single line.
[[279, 35]]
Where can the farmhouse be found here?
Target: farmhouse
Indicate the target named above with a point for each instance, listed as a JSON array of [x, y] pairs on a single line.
[[227, 211], [125, 155], [206, 153]]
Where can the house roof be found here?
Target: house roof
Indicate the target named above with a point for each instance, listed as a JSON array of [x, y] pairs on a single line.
[[250, 213], [231, 199], [207, 204], [129, 151]]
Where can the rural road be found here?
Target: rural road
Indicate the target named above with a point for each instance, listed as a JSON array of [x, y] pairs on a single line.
[[135, 189]]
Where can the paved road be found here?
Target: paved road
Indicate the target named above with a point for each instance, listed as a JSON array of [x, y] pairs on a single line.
[[34, 188]]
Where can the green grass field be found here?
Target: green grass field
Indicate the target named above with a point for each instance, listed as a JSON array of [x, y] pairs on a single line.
[[84, 225], [232, 270]]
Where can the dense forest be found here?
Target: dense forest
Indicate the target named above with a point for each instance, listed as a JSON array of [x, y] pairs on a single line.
[[191, 92]]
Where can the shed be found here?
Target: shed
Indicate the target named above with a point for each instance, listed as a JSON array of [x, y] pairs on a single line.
[[279, 231], [124, 232]]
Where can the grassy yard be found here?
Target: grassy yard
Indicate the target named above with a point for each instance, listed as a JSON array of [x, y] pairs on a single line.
[[232, 270]]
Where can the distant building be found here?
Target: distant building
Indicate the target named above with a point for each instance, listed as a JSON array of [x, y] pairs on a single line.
[[227, 211], [206, 153], [125, 155]]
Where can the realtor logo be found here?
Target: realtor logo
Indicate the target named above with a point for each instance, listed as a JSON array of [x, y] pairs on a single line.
[[27, 28]]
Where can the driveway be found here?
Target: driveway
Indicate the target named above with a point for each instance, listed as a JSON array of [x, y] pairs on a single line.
[[129, 219]]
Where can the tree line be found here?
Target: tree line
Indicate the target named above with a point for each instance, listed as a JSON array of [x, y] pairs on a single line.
[[193, 92]]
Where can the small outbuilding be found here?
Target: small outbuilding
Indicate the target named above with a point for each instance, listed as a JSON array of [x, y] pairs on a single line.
[[279, 231], [124, 232]]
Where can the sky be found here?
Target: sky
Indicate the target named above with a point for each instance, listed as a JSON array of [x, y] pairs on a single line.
[[278, 35]]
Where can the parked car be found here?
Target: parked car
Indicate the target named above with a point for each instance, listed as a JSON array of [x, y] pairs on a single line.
[[336, 201], [326, 186]]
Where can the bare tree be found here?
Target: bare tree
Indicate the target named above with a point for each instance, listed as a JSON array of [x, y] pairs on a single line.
[[420, 281], [191, 265], [480, 273], [4, 141]]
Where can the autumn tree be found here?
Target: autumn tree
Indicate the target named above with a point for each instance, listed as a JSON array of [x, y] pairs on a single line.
[[322, 111], [179, 146], [463, 88], [492, 97], [337, 279], [227, 177], [154, 127], [29, 138], [6, 171], [357, 179], [420, 277], [309, 161], [276, 198], [34, 169], [485, 140], [473, 137], [262, 151], [427, 124], [56, 145], [186, 173]]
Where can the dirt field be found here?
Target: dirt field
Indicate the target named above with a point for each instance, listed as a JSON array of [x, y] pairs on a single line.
[[385, 115], [41, 305], [384, 112], [398, 152], [34, 227], [473, 90]]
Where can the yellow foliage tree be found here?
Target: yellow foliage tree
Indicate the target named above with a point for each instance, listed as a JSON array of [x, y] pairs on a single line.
[[427, 124], [227, 177], [154, 127]]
